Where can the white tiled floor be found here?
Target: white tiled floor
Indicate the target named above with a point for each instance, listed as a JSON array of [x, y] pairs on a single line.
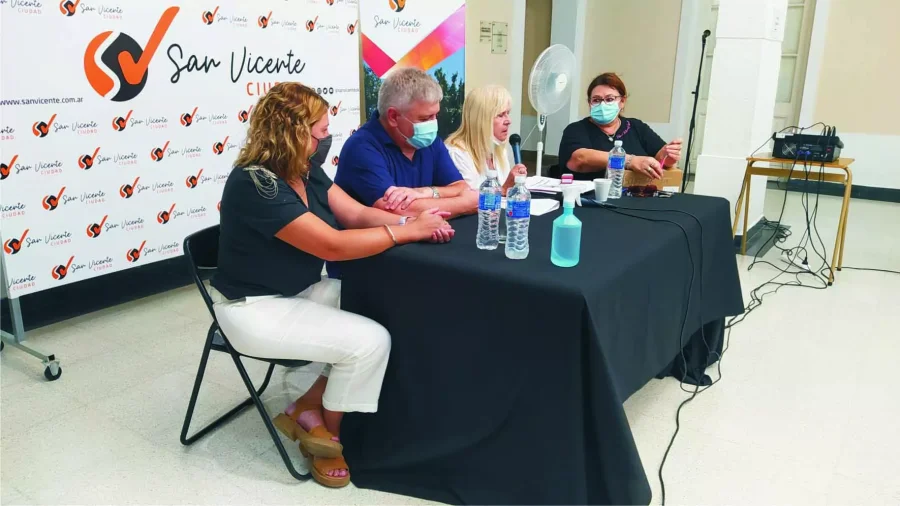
[[806, 412]]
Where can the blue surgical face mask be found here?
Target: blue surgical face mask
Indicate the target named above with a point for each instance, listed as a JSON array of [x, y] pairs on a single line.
[[424, 133], [604, 113]]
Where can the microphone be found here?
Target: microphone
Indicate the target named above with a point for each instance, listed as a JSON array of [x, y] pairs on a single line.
[[515, 141], [706, 33]]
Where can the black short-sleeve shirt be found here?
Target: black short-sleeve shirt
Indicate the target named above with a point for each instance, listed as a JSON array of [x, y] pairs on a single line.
[[637, 138], [252, 261]]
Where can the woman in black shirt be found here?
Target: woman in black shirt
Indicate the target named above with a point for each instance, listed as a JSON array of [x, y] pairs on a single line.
[[281, 219], [585, 145]]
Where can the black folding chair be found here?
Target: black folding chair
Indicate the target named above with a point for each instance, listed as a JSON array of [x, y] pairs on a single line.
[[202, 250]]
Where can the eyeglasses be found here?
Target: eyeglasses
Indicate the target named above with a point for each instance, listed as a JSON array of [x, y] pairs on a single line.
[[642, 191], [609, 99]]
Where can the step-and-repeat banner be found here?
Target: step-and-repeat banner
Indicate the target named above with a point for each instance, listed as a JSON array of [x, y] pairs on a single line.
[[121, 119], [427, 34]]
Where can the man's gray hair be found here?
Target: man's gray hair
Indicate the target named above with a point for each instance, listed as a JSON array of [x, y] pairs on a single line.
[[404, 86]]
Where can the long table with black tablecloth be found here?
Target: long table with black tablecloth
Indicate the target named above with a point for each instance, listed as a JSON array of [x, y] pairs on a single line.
[[506, 378]]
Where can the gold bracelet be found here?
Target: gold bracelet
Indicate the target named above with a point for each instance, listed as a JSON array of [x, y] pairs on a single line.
[[393, 237]]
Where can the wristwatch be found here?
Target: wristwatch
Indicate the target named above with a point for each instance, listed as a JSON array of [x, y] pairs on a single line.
[[435, 194]]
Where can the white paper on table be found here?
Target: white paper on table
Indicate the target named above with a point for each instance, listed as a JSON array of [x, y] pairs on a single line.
[[543, 206], [542, 184]]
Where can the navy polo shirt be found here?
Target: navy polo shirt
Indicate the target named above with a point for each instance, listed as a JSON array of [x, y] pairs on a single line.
[[371, 162]]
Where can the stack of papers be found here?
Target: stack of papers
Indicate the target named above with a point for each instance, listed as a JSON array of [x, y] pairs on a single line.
[[550, 185]]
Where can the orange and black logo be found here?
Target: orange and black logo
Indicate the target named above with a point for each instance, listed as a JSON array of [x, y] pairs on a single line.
[[244, 116], [119, 123], [51, 202], [6, 168], [59, 272], [68, 7], [351, 28], [42, 129], [329, 2], [94, 229], [187, 119], [13, 246], [335, 160], [120, 71], [209, 17], [263, 21], [397, 5], [134, 254], [336, 108], [87, 161], [311, 24], [157, 154], [219, 147], [163, 216], [127, 190], [193, 181]]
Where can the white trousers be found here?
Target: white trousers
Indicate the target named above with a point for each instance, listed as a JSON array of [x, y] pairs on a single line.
[[311, 326]]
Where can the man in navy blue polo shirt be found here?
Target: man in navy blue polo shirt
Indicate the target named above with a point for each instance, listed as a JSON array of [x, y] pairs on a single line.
[[393, 162]]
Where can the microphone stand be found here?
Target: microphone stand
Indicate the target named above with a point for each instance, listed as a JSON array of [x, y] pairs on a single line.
[[693, 124]]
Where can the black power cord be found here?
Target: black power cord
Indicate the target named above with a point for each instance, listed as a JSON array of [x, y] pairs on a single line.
[[697, 386], [870, 269]]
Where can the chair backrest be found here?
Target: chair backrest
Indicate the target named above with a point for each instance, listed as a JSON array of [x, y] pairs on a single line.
[[202, 251]]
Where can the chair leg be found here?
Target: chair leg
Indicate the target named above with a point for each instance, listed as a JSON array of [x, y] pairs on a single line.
[[254, 396], [187, 441]]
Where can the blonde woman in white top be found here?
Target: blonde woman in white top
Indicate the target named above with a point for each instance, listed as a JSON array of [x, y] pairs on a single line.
[[481, 141]]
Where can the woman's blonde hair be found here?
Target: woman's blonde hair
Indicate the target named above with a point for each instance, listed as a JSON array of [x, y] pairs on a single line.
[[476, 133], [279, 137]]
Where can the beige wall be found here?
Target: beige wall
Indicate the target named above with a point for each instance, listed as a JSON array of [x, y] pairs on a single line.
[[538, 16], [482, 67], [857, 86], [638, 40]]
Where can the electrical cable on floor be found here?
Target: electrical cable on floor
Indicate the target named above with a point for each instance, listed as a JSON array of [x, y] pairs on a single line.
[[618, 210], [870, 269], [780, 234]]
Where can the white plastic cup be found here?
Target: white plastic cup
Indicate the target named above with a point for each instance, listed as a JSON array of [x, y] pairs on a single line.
[[601, 189]]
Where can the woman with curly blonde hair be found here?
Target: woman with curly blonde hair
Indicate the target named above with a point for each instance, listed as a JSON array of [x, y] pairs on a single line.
[[281, 219]]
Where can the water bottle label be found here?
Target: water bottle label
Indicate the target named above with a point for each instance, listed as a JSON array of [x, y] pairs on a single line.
[[616, 162], [488, 202], [518, 209]]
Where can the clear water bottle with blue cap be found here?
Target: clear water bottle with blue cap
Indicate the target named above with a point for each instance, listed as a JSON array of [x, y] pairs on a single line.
[[489, 200], [518, 217]]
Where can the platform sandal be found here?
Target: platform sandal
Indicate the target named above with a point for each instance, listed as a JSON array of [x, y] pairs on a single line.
[[321, 466]]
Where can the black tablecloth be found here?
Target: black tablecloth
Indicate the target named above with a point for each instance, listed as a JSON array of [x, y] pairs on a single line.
[[507, 378]]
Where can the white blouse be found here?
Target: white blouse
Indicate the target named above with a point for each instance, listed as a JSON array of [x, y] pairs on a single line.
[[466, 166]]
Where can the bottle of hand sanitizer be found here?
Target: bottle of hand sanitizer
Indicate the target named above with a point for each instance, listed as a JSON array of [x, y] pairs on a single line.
[[565, 247]]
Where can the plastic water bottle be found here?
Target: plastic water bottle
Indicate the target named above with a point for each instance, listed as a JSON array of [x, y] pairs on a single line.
[[615, 170], [565, 246], [518, 215], [489, 199]]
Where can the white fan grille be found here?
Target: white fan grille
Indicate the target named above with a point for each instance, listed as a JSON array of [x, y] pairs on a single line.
[[551, 79]]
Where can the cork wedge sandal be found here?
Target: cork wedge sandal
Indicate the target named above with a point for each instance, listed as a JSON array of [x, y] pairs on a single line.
[[321, 466], [317, 441]]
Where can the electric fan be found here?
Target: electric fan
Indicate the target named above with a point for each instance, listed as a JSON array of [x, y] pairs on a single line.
[[549, 88]]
